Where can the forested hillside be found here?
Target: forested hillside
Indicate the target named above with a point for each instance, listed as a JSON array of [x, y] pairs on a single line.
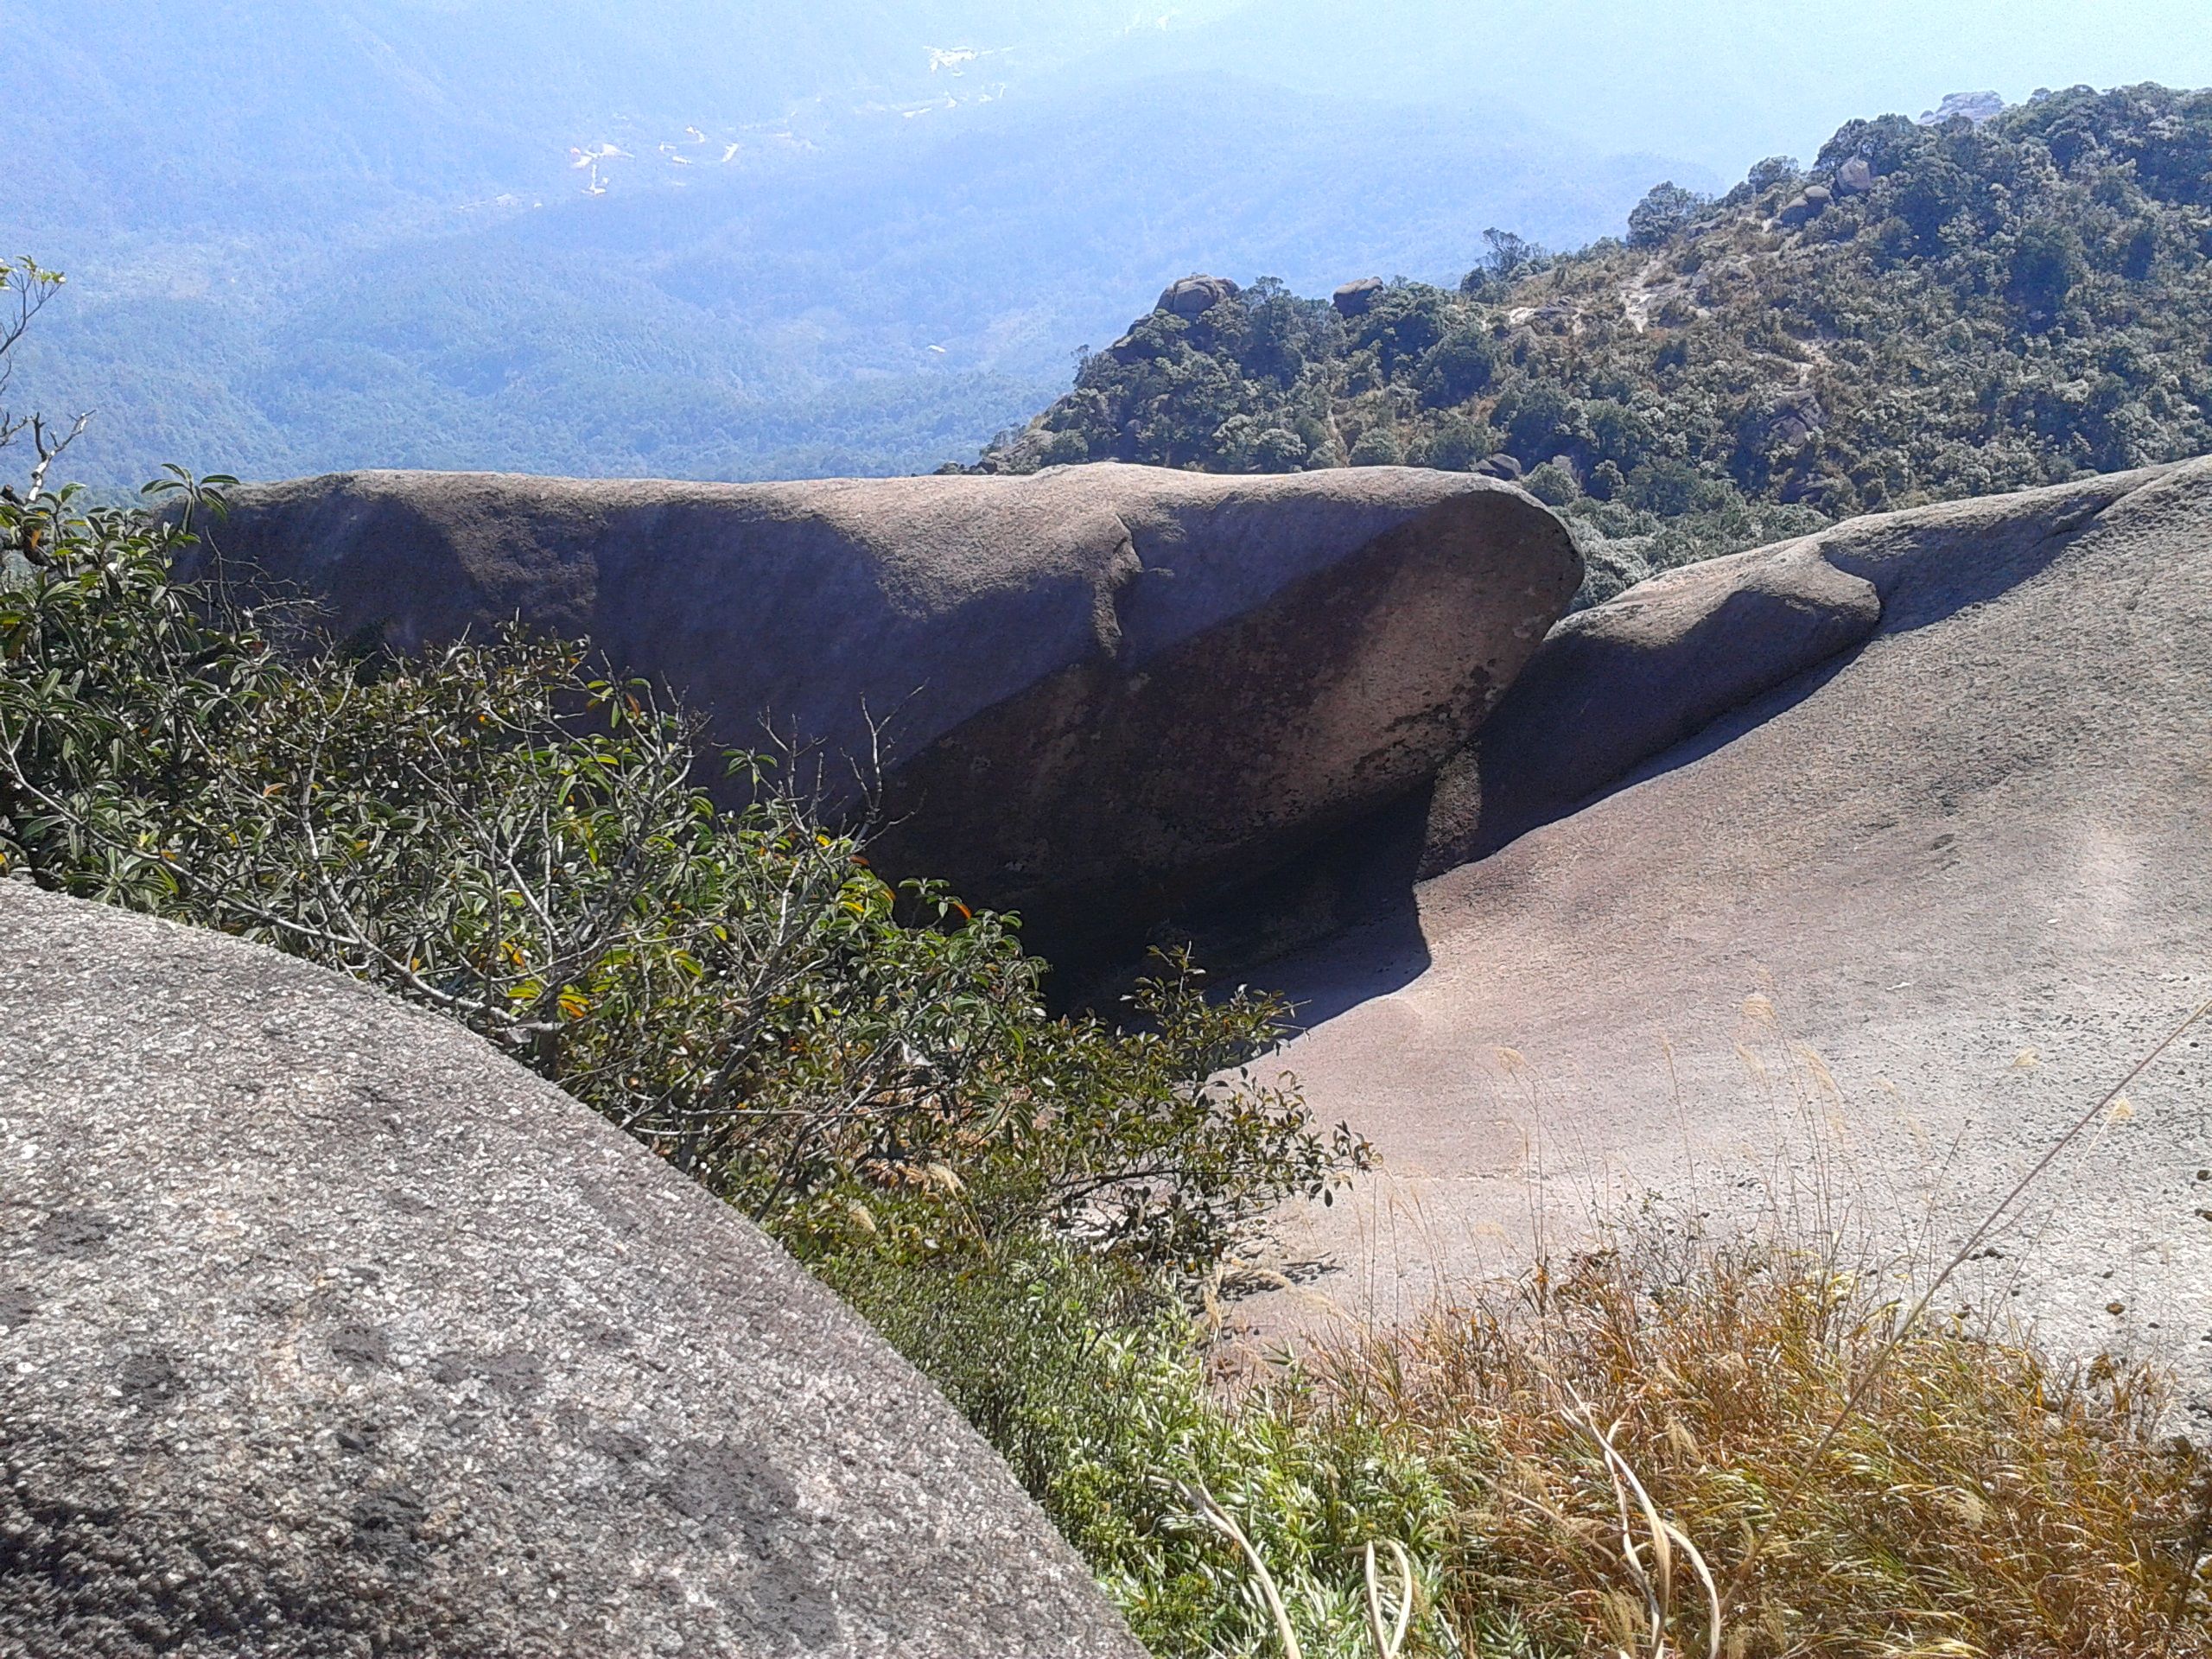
[[1929, 311], [579, 238]]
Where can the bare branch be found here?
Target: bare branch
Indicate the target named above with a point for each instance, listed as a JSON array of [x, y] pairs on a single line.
[[49, 446]]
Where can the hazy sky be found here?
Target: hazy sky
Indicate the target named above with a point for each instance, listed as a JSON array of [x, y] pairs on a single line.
[[1722, 82]]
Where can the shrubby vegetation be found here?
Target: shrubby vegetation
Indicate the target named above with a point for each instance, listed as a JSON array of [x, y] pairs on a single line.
[[1928, 312], [498, 833], [1975, 1500]]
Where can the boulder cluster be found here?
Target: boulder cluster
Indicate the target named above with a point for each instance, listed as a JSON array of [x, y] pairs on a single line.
[[1855, 177]]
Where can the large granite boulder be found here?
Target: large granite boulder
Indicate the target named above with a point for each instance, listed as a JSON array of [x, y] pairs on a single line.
[[324, 1331], [1806, 207], [1108, 686], [1857, 948], [1357, 298], [1192, 297], [1785, 422], [1855, 177]]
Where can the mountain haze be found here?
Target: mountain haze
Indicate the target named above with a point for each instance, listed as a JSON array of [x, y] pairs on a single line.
[[1719, 82], [212, 114], [560, 239]]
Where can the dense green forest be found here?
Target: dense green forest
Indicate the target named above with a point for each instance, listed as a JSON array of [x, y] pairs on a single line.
[[1928, 311]]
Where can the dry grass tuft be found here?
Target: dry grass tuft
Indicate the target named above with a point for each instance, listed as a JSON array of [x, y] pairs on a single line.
[[1598, 1430]]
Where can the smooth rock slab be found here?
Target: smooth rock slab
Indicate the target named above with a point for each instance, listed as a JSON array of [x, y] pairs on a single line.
[[1857, 952], [325, 1330], [1107, 687]]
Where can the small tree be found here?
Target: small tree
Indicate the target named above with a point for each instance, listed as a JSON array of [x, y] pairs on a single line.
[[25, 289], [1509, 256], [1767, 175], [1668, 208]]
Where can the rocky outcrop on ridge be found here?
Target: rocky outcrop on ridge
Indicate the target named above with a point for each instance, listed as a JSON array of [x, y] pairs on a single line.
[[1193, 296], [1357, 298], [1108, 686], [1865, 944], [325, 1331]]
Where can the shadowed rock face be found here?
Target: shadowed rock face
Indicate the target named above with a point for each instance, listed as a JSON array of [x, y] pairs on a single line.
[[1614, 685], [1193, 296], [1113, 789], [1865, 945], [1109, 686], [325, 1330]]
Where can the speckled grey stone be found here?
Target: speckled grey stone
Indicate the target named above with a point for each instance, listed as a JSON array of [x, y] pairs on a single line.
[[325, 1330], [1617, 683]]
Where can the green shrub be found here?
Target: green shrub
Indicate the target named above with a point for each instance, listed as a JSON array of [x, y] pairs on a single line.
[[499, 832], [1458, 367], [1097, 1392], [1667, 209], [1552, 484], [1541, 421], [1401, 325], [1066, 448], [1457, 444], [1378, 446]]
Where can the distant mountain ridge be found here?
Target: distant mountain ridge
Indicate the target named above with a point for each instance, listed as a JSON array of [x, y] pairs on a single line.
[[330, 233], [161, 114], [1931, 310]]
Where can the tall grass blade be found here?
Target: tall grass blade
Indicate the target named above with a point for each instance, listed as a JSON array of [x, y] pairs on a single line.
[[1740, 1578]]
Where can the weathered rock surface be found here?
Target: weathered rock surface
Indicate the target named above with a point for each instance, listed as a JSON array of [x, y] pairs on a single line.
[[1786, 421], [1357, 298], [1855, 177], [1864, 945], [325, 1330], [1109, 685], [1807, 206], [1617, 683], [1193, 296]]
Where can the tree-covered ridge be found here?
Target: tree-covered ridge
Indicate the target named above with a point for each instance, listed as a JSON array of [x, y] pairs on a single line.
[[1928, 312]]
